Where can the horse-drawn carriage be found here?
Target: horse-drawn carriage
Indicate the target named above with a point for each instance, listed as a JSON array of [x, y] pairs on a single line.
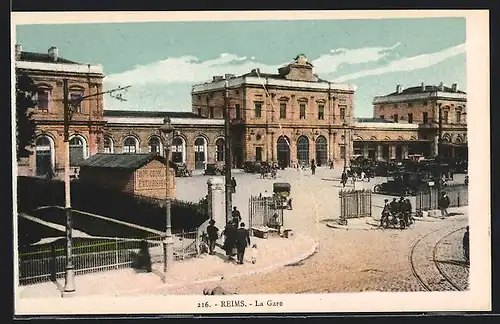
[[282, 191]]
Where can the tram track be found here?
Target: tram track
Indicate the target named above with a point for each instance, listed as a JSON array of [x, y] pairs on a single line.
[[445, 283]]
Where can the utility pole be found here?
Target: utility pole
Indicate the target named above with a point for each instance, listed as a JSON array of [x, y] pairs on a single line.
[[69, 276], [440, 138], [69, 279], [227, 153]]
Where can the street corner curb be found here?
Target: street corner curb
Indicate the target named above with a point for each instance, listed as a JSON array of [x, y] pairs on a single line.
[[346, 228], [219, 278]]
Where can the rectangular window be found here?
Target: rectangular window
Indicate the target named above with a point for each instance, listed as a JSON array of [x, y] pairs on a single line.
[[75, 98], [458, 116], [342, 112], [43, 99], [258, 154], [283, 110], [258, 109], [425, 117], [342, 152], [302, 109], [445, 116], [211, 112], [382, 117], [410, 118], [321, 112], [199, 111], [238, 111], [395, 117]]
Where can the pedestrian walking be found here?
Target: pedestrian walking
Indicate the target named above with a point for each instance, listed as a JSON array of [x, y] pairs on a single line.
[[363, 175], [242, 241], [213, 235], [343, 178], [236, 216], [313, 168], [229, 233], [465, 243], [233, 185], [443, 204]]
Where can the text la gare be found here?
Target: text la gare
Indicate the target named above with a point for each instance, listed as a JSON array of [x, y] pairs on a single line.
[[270, 303]]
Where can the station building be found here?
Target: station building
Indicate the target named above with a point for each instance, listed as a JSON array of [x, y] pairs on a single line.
[[291, 117]]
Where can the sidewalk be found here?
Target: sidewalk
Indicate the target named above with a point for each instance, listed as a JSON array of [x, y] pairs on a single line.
[[271, 253]]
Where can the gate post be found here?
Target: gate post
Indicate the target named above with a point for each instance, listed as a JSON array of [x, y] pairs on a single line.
[[216, 207]]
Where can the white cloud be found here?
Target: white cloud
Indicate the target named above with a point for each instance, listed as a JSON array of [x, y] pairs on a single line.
[[407, 64]]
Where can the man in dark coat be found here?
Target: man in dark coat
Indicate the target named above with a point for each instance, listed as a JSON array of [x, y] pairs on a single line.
[[213, 235], [230, 233], [344, 178], [233, 184], [443, 204], [394, 206], [236, 216], [242, 241]]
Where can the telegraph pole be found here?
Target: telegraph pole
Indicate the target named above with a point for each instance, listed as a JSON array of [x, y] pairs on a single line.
[[440, 138], [69, 279], [69, 276], [227, 153]]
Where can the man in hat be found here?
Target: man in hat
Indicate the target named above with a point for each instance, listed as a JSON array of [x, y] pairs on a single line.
[[242, 242], [443, 204], [236, 216], [213, 235]]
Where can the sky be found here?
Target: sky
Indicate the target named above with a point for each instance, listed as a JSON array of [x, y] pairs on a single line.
[[162, 60]]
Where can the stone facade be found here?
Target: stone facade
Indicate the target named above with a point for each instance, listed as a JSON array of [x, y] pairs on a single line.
[[267, 111], [48, 72]]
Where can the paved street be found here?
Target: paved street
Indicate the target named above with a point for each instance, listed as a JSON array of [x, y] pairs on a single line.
[[347, 260]]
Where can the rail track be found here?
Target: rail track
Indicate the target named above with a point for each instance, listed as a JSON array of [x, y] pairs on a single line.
[[438, 280]]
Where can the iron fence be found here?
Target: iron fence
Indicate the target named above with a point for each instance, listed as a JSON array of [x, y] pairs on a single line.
[[265, 211], [39, 263], [428, 200], [355, 203]]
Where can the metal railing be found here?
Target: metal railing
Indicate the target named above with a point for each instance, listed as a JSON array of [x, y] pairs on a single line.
[[355, 203], [428, 200], [265, 211], [39, 263]]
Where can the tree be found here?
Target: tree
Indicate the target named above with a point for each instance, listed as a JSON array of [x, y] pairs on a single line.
[[26, 91]]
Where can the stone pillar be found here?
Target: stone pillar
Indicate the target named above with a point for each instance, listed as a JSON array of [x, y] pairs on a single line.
[[392, 151], [379, 155], [216, 199], [404, 150], [331, 154], [365, 151], [435, 146]]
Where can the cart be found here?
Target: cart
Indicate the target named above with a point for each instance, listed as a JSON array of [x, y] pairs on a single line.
[[282, 191]]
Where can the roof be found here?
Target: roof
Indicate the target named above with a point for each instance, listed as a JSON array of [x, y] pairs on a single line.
[[157, 114], [130, 161], [428, 88], [372, 120], [43, 58]]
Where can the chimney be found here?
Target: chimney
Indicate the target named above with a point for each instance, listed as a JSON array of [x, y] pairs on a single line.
[[19, 49], [441, 86], [422, 85], [399, 88], [228, 76], [454, 87], [216, 78], [54, 53], [256, 71]]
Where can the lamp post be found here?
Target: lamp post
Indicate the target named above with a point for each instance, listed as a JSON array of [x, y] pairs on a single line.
[[439, 146], [168, 243], [344, 124], [227, 154], [68, 105]]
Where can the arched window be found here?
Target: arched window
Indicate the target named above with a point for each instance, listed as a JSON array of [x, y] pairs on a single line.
[[154, 145], [44, 155], [177, 150], [76, 150], [130, 145], [303, 150], [200, 157], [321, 150], [219, 147], [108, 144]]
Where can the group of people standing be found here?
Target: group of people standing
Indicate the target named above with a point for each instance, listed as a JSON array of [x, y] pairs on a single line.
[[401, 207], [236, 237]]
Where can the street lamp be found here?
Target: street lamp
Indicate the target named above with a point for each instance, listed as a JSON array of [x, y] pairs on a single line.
[[168, 243], [344, 124]]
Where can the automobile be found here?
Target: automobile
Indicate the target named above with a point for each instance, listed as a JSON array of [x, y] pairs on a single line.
[[214, 169], [282, 191], [406, 184]]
